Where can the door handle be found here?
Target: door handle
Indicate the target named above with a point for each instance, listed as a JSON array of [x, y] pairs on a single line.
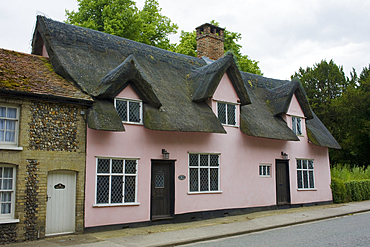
[[47, 198]]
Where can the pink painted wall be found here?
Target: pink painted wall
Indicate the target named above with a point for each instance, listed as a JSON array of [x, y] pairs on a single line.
[[240, 156]]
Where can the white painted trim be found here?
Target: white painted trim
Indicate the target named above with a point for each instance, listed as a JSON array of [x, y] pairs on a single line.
[[205, 192], [128, 110], [9, 221], [308, 189], [15, 148], [116, 205]]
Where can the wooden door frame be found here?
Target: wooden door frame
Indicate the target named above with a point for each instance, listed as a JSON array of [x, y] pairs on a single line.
[[171, 163], [276, 182]]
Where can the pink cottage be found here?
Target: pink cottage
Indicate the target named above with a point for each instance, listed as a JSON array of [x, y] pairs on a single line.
[[173, 137]]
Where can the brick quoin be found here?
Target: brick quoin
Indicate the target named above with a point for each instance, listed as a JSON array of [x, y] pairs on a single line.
[[210, 41]]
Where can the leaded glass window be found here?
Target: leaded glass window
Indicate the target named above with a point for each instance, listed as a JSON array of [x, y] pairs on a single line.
[[8, 125], [130, 111], [204, 172], [297, 125], [305, 174], [226, 113], [116, 181]]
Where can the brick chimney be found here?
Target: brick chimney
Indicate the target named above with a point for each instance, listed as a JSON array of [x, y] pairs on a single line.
[[210, 41]]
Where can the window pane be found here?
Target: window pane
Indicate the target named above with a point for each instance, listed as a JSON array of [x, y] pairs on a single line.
[[2, 135], [312, 184], [12, 113], [221, 112], [299, 127], [134, 111], [130, 166], [2, 111], [231, 114], [193, 159], [117, 166], [204, 160], [10, 136], [264, 171], [2, 124], [7, 184], [159, 180], [310, 164], [8, 172], [299, 164], [193, 179], [102, 189], [299, 179], [268, 170], [116, 189], [103, 166], [213, 160], [130, 188], [121, 106], [214, 179], [304, 164], [294, 125], [261, 170], [305, 179], [204, 179]]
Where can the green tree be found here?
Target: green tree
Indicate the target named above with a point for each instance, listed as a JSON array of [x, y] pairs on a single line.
[[188, 46], [323, 83], [122, 18]]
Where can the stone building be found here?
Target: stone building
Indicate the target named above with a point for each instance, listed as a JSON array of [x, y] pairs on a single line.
[[42, 150]]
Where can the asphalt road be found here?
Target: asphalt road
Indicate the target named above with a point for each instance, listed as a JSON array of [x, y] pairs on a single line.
[[351, 230]]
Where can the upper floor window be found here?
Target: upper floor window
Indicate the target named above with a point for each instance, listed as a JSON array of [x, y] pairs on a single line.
[[226, 113], [265, 170], [9, 117], [297, 125], [7, 189], [130, 111]]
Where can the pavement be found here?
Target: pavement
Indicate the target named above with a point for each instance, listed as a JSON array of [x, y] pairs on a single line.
[[196, 231]]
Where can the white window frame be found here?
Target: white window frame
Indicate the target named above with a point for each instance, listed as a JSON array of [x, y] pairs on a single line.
[[140, 122], [301, 169], [264, 173], [297, 123], [4, 218], [209, 167], [7, 144], [110, 174], [226, 116]]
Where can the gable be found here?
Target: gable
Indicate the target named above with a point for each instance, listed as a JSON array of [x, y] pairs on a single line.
[[226, 91], [295, 108], [128, 93]]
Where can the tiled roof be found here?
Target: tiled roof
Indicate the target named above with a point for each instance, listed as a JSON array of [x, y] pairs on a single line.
[[25, 73]]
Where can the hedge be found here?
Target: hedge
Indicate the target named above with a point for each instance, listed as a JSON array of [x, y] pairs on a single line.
[[355, 190]]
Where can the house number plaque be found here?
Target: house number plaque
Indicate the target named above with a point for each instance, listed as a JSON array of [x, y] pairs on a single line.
[[59, 186], [181, 177]]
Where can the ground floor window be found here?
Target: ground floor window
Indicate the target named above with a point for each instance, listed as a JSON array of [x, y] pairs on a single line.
[[116, 181], [305, 174], [204, 172], [7, 188], [265, 170]]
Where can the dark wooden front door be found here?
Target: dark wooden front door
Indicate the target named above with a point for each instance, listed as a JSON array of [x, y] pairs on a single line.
[[162, 198], [282, 182]]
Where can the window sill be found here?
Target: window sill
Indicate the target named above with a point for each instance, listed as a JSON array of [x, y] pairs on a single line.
[[204, 192], [228, 125], [265, 176], [11, 148], [133, 123], [309, 189], [9, 221], [115, 205]]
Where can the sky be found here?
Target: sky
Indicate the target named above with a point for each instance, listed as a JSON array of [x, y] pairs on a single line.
[[283, 35]]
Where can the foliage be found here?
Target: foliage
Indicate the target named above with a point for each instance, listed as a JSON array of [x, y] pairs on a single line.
[[342, 104], [350, 184], [122, 18], [188, 46]]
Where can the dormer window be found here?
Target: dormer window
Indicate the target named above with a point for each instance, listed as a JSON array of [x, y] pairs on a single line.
[[297, 125], [226, 113], [130, 111]]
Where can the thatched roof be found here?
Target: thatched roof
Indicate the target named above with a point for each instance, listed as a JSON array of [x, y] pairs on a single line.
[[173, 87]]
